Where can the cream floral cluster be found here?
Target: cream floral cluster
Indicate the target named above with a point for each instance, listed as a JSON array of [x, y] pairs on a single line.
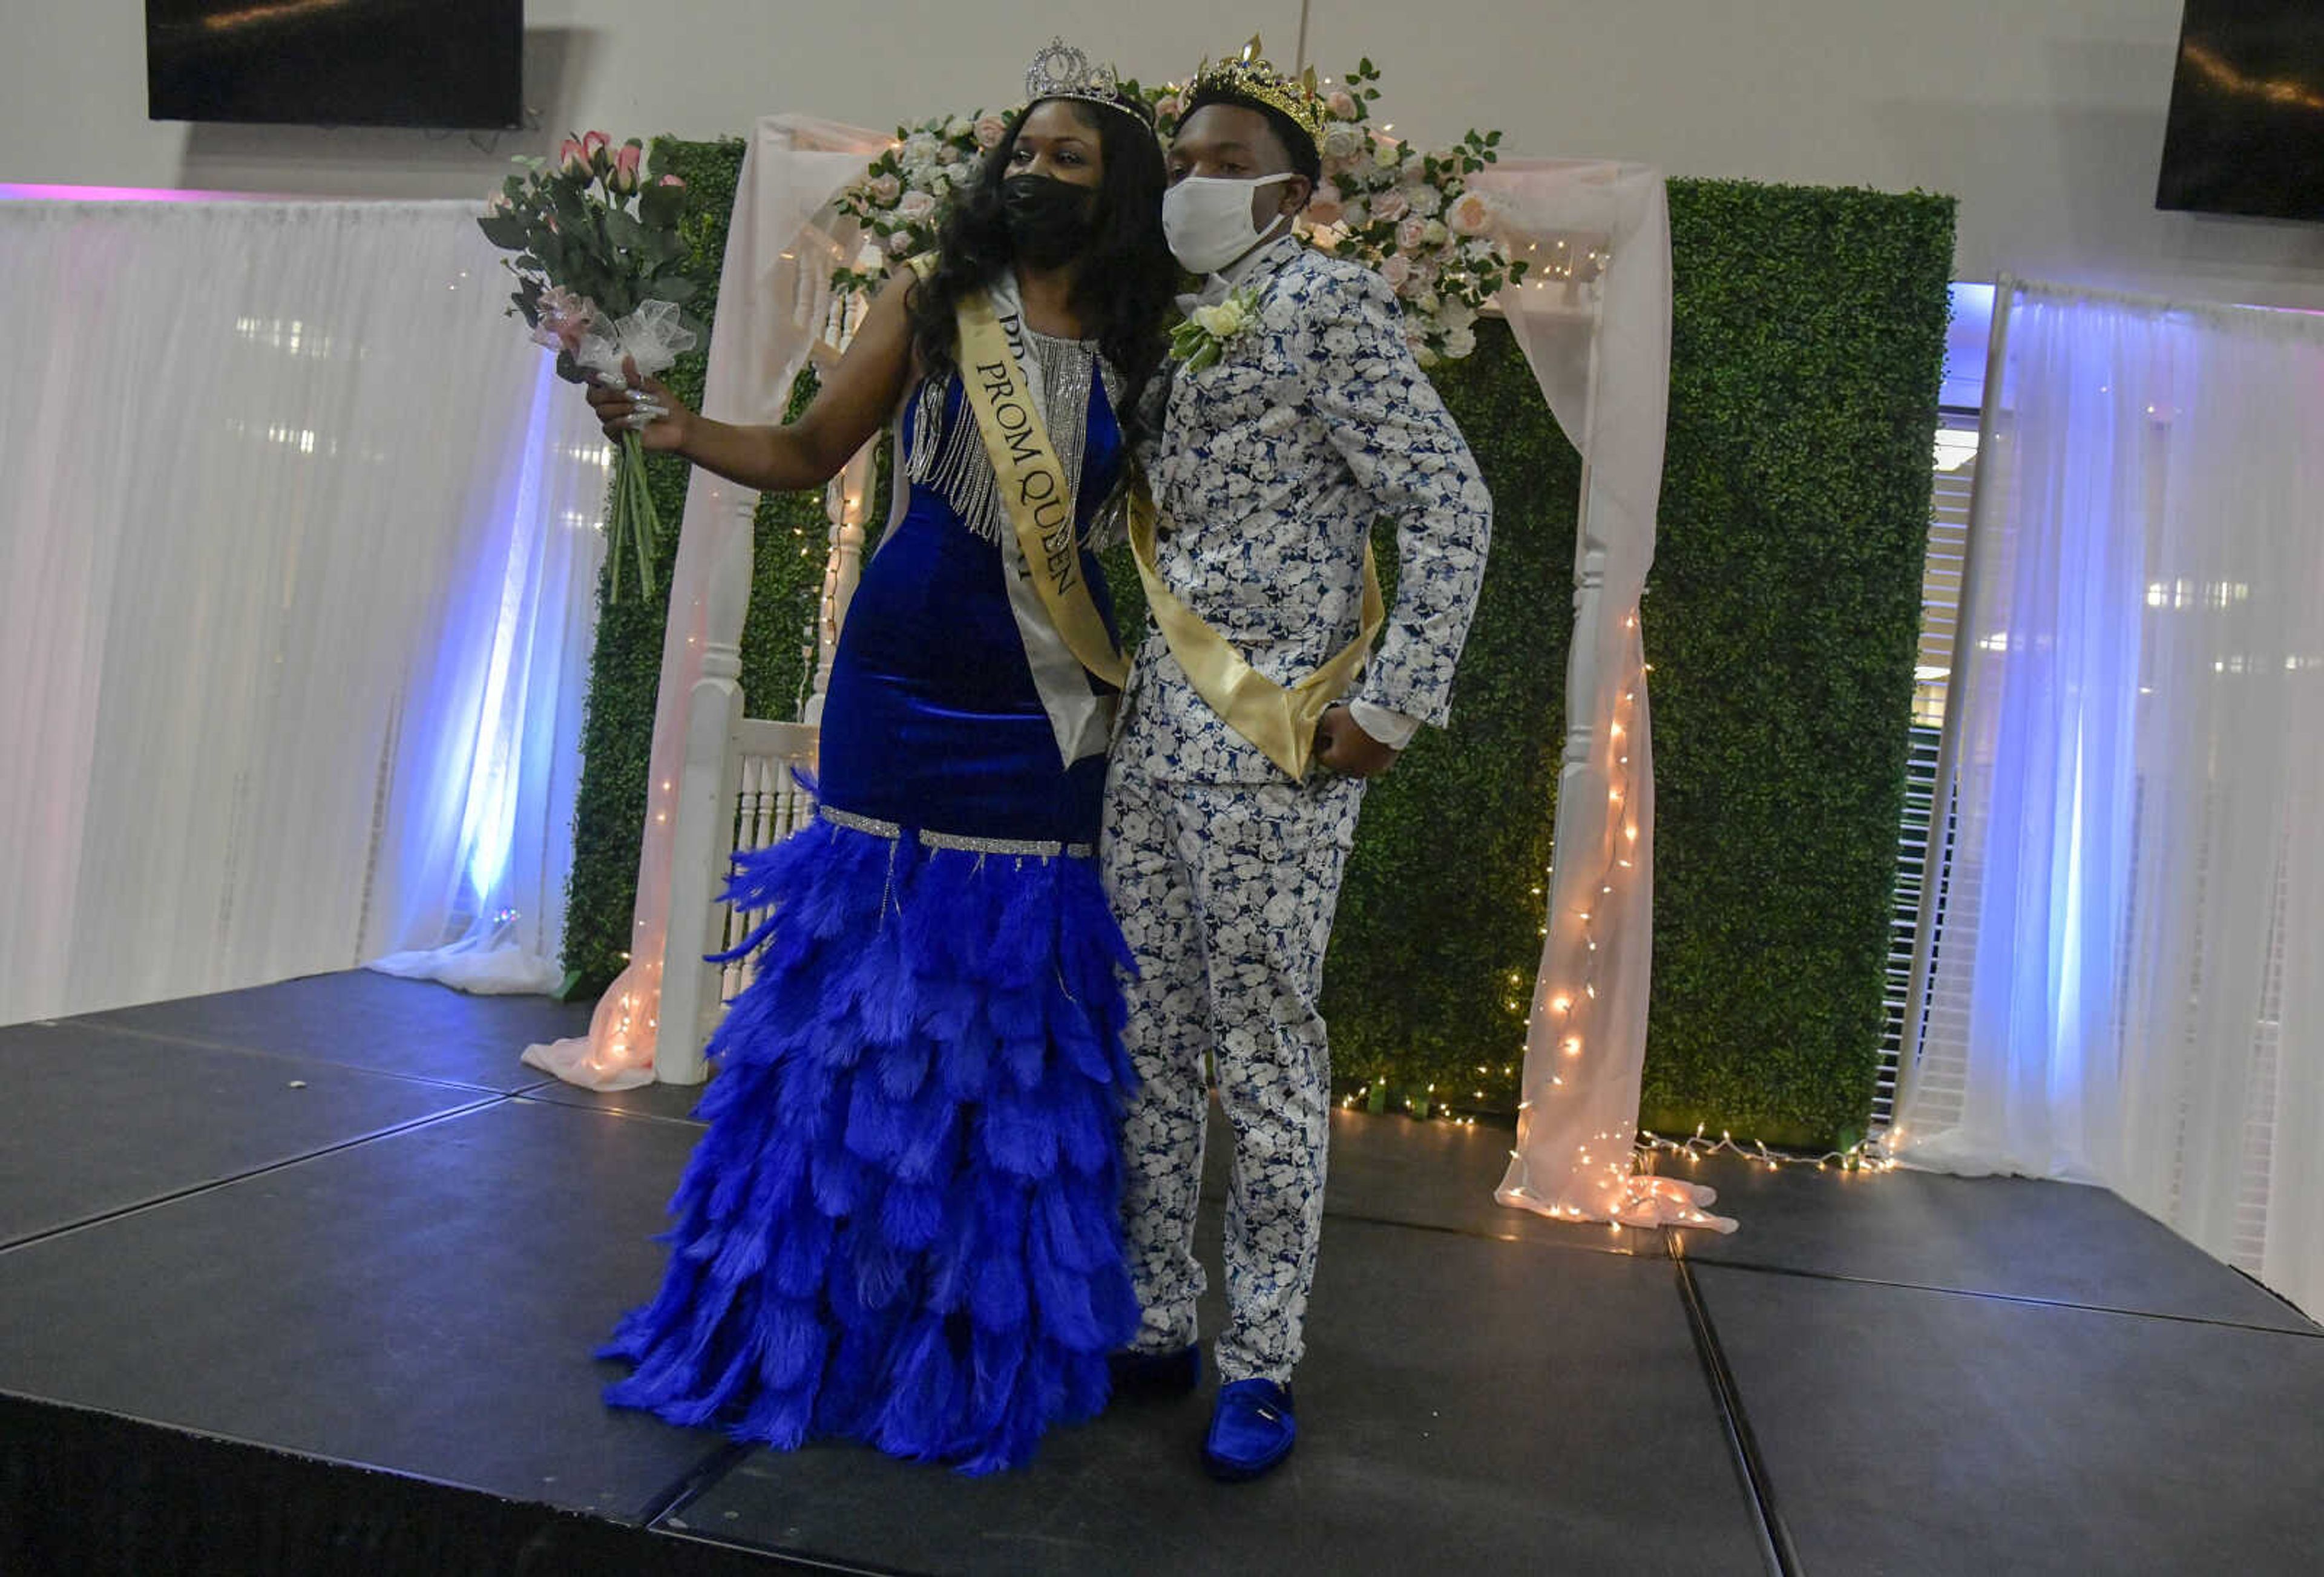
[[901, 199], [1407, 212]]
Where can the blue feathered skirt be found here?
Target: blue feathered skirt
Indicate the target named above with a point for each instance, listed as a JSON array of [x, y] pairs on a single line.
[[901, 1226]]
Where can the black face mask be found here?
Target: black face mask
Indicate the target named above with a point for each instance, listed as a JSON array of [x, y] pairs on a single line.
[[1048, 220]]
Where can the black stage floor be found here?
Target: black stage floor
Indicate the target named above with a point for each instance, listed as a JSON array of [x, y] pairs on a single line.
[[306, 1278]]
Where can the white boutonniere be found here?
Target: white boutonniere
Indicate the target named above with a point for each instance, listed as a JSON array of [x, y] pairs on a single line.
[[1202, 339]]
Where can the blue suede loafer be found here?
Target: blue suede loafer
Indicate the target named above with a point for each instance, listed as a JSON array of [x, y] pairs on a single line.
[[1171, 1373], [1252, 1430]]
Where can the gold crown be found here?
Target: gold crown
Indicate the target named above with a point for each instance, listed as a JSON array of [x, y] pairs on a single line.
[[1250, 77]]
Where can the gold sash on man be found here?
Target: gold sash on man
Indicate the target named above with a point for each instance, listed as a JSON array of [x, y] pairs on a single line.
[[1039, 495], [1280, 721]]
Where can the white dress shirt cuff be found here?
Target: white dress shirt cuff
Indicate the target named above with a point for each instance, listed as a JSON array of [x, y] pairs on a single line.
[[1392, 729]]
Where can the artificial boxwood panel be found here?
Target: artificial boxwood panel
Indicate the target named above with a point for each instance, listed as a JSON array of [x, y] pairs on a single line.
[[1808, 344], [1807, 350]]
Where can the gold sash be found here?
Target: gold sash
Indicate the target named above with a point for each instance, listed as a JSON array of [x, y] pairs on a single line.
[[1280, 721], [1033, 486]]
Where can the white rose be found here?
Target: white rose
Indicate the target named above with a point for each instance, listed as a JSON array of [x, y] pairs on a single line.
[[959, 127], [1425, 356], [920, 148], [1472, 212], [1429, 301], [1388, 155], [1426, 200], [914, 206], [1342, 142], [1458, 314], [1223, 320], [1355, 214], [1435, 234], [1460, 342]]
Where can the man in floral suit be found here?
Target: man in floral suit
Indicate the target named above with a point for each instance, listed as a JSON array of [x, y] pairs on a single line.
[[1297, 416]]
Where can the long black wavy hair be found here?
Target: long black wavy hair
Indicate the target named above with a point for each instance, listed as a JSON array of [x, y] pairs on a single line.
[[1128, 279]]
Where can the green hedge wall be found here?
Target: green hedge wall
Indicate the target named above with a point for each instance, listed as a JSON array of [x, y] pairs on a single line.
[[1807, 350], [1808, 344]]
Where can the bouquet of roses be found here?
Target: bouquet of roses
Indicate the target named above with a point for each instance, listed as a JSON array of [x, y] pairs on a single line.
[[598, 254]]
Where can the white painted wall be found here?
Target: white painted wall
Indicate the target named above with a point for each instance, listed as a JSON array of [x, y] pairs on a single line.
[[2044, 117]]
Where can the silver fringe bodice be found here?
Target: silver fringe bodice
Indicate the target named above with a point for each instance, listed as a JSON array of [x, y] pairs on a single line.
[[950, 459]]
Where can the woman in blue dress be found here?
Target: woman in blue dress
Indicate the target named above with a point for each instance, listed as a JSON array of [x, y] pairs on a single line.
[[901, 1224]]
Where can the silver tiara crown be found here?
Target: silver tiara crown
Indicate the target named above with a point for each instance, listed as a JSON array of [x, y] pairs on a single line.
[[1063, 71]]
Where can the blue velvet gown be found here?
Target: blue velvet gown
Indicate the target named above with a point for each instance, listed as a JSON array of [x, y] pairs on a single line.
[[901, 1226]]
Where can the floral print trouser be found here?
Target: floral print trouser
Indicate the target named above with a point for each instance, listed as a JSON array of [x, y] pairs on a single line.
[[1225, 893]]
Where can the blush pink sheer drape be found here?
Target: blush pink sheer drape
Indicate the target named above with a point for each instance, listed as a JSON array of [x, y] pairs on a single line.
[[1593, 320], [773, 294]]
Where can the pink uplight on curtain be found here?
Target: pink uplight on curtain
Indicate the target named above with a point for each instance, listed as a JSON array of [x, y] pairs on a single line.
[[20, 192]]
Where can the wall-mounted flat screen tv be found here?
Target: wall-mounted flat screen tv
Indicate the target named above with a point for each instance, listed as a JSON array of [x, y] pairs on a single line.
[[446, 63], [2246, 131]]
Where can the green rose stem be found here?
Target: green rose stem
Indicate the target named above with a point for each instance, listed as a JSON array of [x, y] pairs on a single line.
[[633, 525]]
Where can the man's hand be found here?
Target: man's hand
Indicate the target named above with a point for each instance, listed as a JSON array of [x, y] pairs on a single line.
[[1347, 749]]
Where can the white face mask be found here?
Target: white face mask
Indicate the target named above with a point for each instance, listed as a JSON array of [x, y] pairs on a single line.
[[1206, 219]]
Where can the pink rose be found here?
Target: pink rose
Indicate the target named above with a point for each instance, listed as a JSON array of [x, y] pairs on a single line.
[[886, 189], [1324, 207], [1390, 206], [1412, 233], [1342, 104], [990, 130], [592, 147], [572, 158], [900, 243], [670, 180], [1165, 108], [1396, 270], [916, 207], [499, 204], [623, 178]]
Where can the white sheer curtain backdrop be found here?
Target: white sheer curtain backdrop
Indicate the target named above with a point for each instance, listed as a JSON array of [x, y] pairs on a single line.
[[2118, 997], [294, 565]]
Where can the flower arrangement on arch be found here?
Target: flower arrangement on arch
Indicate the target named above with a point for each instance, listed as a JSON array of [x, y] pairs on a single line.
[[900, 200], [598, 261], [1406, 212]]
